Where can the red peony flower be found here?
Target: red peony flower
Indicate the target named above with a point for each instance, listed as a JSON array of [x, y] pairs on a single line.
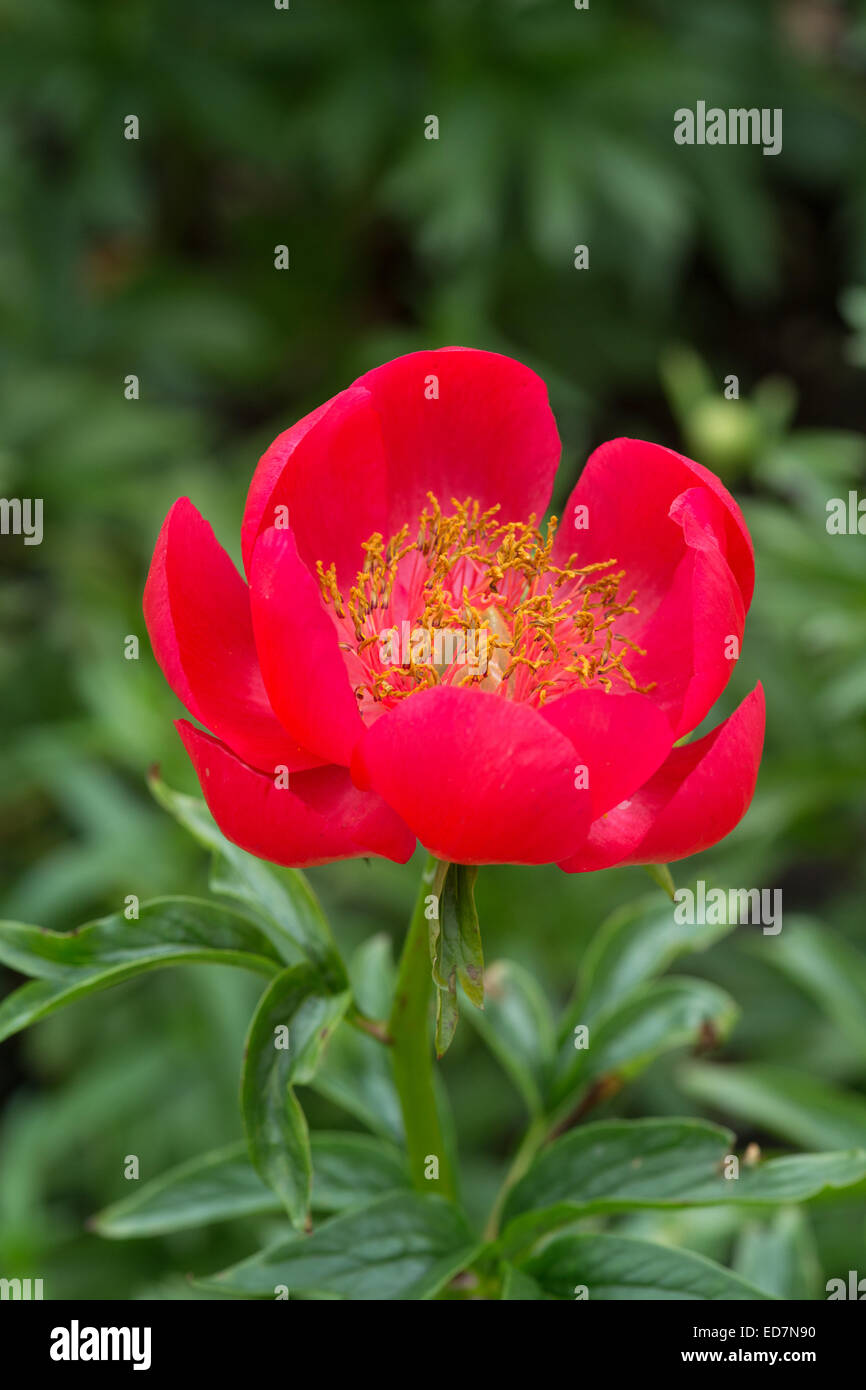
[[416, 655]]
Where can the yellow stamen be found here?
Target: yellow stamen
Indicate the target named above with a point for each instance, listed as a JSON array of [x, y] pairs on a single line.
[[468, 573]]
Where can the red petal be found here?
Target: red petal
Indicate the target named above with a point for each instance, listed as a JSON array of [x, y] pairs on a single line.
[[629, 488], [197, 611], [320, 817], [479, 780], [329, 471], [622, 739], [365, 460], [682, 542], [298, 649], [489, 434], [695, 799], [693, 640]]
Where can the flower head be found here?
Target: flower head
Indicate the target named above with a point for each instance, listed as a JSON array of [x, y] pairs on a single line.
[[416, 654]]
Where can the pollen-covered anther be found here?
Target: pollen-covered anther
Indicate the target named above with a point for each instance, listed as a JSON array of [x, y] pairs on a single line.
[[472, 600]]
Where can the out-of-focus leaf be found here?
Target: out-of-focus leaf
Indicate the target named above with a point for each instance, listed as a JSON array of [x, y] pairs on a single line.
[[348, 1169], [213, 1187], [517, 1284], [782, 1101], [828, 969], [620, 1268], [287, 1035], [372, 974], [169, 931], [671, 1013], [779, 1256], [403, 1247], [633, 945], [518, 1027], [287, 901], [356, 1075], [623, 1164]]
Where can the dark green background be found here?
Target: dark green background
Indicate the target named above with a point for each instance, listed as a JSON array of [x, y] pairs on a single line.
[[306, 127]]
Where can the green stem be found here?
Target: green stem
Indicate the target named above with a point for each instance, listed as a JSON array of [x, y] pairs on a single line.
[[531, 1143], [411, 1050]]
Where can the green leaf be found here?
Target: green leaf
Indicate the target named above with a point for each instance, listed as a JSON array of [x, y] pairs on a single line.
[[347, 1169], [621, 1165], [213, 1187], [779, 1256], [516, 1284], [351, 1169], [518, 1027], [620, 1268], [653, 1020], [828, 969], [399, 1247], [169, 931], [226, 882], [287, 902], [372, 973], [635, 944], [294, 1019], [455, 949], [356, 1075], [782, 1101]]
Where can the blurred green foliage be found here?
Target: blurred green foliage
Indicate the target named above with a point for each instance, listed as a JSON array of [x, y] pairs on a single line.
[[305, 127]]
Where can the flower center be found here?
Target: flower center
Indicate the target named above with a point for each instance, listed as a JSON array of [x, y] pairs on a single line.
[[472, 600]]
